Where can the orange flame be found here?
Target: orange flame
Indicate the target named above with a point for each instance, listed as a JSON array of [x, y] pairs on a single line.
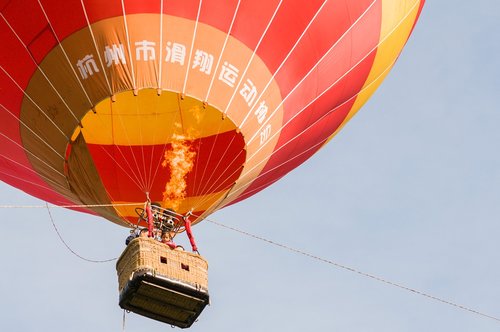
[[180, 161]]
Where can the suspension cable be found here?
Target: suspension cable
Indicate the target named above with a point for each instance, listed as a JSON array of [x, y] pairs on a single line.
[[69, 248], [353, 270], [70, 206], [276, 244]]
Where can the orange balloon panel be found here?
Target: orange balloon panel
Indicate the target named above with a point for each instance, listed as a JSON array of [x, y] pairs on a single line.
[[198, 104]]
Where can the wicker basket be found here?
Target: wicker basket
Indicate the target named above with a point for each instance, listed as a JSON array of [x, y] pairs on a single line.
[[161, 283]]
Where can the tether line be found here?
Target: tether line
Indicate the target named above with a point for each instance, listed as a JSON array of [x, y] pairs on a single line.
[[280, 245], [11, 206], [353, 270], [69, 248]]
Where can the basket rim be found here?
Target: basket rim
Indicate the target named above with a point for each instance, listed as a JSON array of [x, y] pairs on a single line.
[[159, 244]]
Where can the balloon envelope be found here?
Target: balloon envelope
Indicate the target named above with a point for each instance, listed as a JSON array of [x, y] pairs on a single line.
[[198, 104]]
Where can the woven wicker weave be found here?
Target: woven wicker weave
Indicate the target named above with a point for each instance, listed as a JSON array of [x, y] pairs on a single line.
[[145, 253], [163, 284]]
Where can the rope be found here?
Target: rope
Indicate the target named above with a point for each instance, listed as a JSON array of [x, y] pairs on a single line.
[[242, 185], [123, 320], [223, 49], [69, 248], [195, 31], [249, 62], [353, 270], [306, 31], [64, 52], [67, 206], [280, 245]]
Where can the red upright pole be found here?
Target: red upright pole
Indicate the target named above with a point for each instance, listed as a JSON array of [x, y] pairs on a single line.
[[189, 232], [150, 220]]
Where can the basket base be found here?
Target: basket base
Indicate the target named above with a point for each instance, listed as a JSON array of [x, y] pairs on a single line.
[[162, 299]]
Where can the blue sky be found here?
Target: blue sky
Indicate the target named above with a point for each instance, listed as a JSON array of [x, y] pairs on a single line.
[[408, 191]]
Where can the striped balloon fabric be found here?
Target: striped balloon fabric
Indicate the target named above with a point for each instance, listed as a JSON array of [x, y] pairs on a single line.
[[196, 103]]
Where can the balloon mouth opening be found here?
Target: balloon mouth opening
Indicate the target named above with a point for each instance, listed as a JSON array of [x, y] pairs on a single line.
[[183, 152]]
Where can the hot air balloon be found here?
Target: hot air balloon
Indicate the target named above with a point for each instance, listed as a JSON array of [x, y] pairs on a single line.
[[194, 104]]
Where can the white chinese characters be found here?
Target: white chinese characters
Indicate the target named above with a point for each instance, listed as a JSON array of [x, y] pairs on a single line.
[[249, 92], [204, 61], [114, 55], [176, 53], [87, 66], [228, 74], [145, 50]]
